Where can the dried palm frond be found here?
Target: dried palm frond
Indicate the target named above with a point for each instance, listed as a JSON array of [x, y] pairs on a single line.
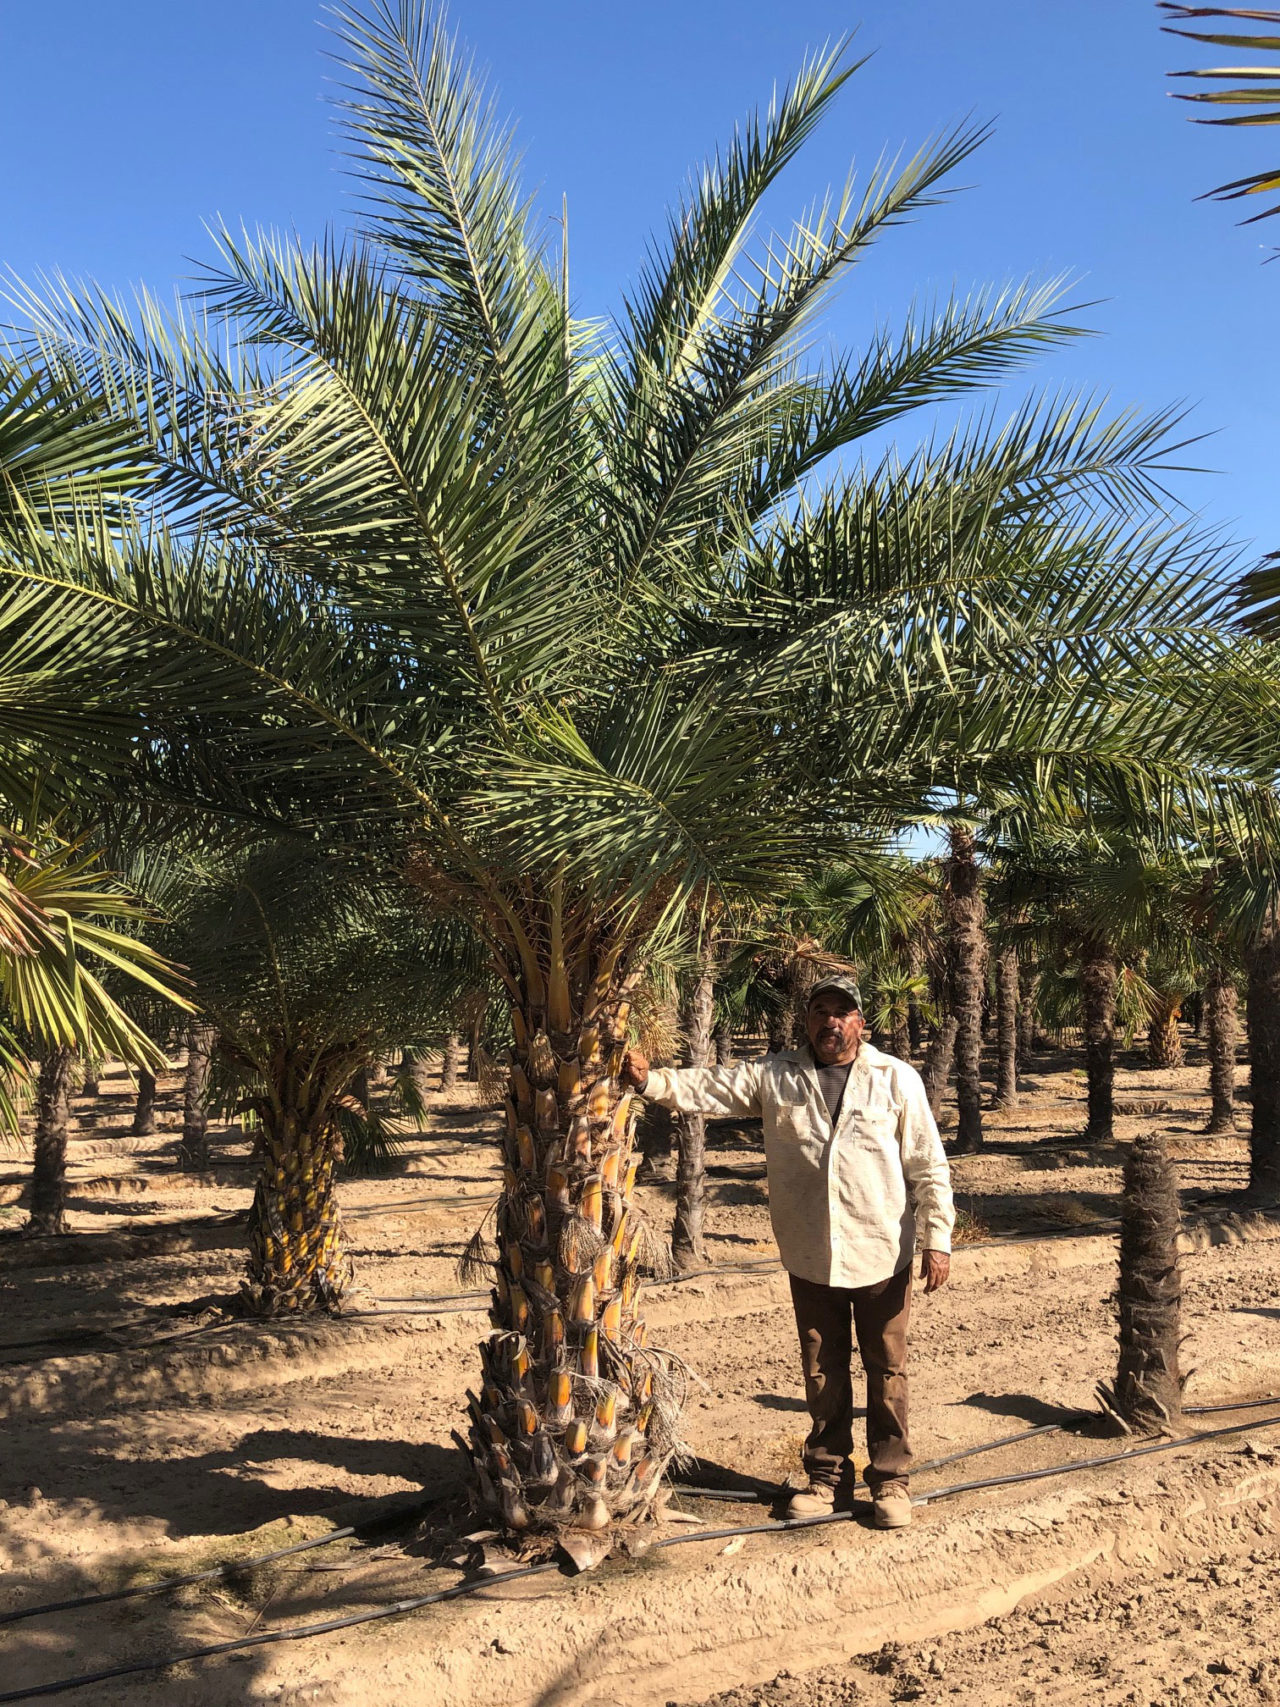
[[480, 1255]]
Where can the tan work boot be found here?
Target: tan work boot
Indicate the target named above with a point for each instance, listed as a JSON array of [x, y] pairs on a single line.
[[891, 1506], [817, 1500]]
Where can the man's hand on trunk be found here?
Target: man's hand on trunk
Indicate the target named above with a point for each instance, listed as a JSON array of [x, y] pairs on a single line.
[[635, 1069], [935, 1266]]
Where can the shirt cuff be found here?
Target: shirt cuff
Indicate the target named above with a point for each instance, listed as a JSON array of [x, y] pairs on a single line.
[[658, 1087], [933, 1236]]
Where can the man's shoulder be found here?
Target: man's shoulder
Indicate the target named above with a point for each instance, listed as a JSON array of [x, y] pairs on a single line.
[[901, 1072]]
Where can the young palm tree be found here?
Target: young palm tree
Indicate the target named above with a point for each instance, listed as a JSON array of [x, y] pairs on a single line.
[[566, 621], [308, 967]]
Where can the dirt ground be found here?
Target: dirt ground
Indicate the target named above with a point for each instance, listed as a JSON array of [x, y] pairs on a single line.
[[145, 1433]]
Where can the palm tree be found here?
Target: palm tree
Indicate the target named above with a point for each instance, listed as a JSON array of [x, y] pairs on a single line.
[[65, 938], [1249, 86], [309, 967], [566, 623]]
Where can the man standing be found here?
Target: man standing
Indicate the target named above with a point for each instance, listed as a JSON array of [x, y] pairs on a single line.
[[856, 1173]]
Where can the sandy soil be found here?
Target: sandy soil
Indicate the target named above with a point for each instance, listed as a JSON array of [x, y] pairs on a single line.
[[145, 1432]]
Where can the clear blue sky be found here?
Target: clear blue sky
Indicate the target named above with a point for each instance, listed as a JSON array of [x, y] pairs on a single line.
[[127, 123]]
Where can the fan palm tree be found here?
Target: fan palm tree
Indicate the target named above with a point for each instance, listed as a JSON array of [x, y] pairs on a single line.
[[66, 938], [568, 624]]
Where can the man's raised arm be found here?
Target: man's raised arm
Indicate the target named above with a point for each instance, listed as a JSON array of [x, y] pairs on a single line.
[[721, 1092]]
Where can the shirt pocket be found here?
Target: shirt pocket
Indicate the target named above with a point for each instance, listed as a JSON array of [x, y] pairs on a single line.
[[875, 1127]]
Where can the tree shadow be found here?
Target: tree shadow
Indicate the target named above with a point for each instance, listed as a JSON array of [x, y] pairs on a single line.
[[1036, 1413]]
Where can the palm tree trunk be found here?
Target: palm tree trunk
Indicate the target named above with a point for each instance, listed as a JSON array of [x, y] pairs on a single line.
[[724, 1046], [937, 1063], [573, 1424], [691, 1164], [915, 1019], [1007, 1028], [1223, 1025], [451, 1064], [193, 1152], [414, 1063], [966, 917], [91, 1084], [1164, 1041], [1098, 999], [1027, 1016], [144, 1109], [49, 1175], [801, 978], [1148, 1389], [297, 1256], [900, 1039], [1262, 960]]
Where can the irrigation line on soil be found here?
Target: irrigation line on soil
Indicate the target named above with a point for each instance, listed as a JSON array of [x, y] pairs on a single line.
[[747, 1495], [461, 1590], [235, 1567]]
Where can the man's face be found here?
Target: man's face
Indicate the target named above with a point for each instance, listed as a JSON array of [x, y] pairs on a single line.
[[835, 1027]]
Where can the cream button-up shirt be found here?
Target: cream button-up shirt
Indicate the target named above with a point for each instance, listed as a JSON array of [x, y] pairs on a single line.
[[847, 1203]]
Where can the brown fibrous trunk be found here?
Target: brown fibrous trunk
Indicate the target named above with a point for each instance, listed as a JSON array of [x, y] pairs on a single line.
[[1027, 1015], [1098, 1000], [451, 1063], [1262, 959], [193, 1152], [49, 1174], [936, 1069], [1007, 1028], [1223, 1024], [1148, 1390], [144, 1109], [691, 1163], [967, 947]]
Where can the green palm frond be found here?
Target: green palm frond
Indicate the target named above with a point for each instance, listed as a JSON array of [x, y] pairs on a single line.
[[1251, 85], [64, 945]]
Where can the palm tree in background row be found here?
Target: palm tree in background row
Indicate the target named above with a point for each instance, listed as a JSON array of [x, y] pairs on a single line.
[[572, 626]]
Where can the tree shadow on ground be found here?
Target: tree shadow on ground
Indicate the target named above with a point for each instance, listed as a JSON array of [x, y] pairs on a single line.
[[1036, 1413], [227, 1491]]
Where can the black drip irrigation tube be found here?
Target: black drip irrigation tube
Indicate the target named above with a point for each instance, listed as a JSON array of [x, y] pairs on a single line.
[[463, 1589]]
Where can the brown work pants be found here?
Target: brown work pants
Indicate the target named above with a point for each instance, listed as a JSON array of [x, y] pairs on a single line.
[[828, 1317]]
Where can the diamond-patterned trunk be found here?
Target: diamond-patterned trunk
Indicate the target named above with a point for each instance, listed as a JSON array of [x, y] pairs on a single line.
[[573, 1422], [297, 1258]]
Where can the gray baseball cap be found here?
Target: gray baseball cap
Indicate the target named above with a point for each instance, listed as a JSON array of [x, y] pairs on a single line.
[[838, 981]]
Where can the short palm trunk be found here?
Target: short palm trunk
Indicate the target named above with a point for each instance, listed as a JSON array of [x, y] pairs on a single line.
[[1148, 1392], [574, 1423], [297, 1257], [1164, 1041]]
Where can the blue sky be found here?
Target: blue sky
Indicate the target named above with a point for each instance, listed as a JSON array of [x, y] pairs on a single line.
[[127, 124]]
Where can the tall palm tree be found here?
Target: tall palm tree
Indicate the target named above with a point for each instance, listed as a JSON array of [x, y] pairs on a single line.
[[568, 624]]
